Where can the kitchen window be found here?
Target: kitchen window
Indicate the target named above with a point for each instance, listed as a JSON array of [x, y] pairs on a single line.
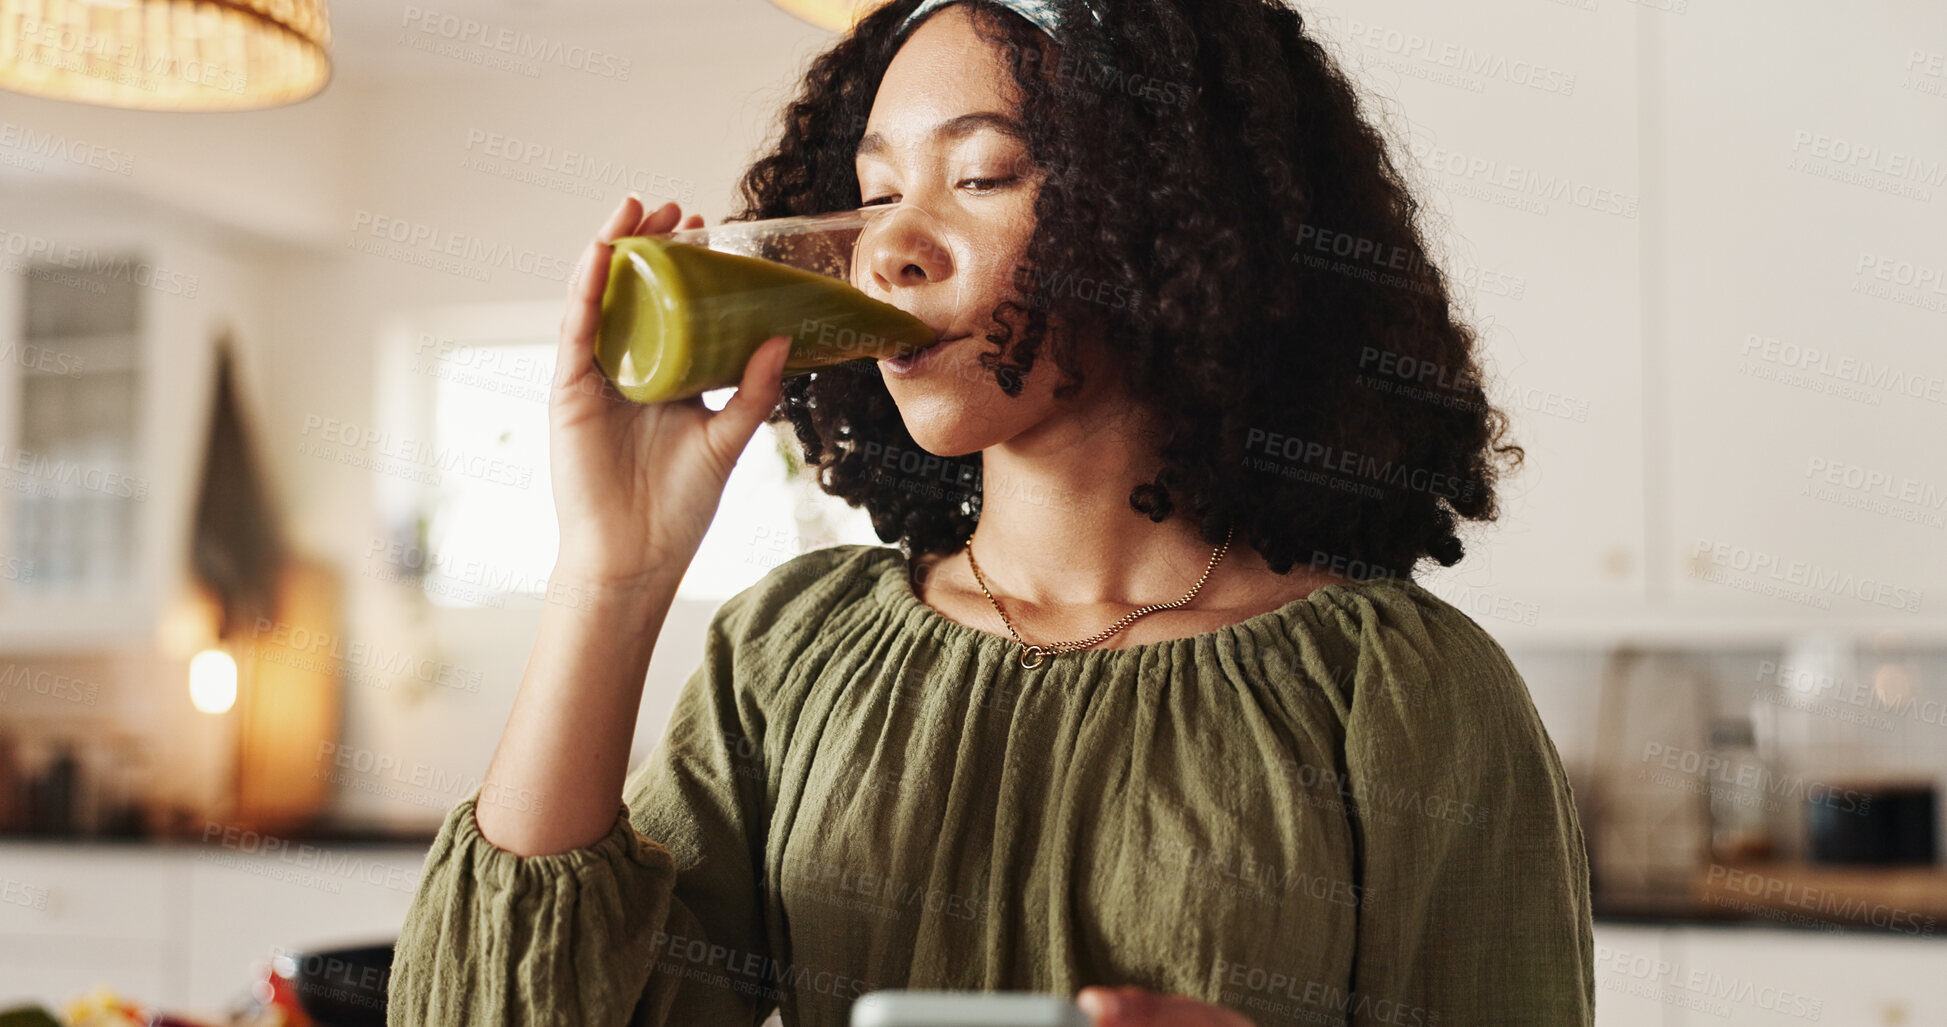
[[474, 526]]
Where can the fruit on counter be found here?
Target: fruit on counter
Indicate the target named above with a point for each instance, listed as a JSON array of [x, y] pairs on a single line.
[[279, 995], [104, 1008]]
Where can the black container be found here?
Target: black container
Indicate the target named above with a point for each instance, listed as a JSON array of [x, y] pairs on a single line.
[[1877, 824], [51, 796], [343, 987]]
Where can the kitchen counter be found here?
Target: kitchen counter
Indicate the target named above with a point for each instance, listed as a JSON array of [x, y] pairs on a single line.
[[325, 836], [183, 923], [1899, 900]]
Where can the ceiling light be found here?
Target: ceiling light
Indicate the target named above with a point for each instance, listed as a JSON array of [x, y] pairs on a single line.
[[835, 15], [174, 55]]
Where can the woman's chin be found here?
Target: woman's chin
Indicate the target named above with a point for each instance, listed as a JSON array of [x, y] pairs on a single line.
[[940, 424], [944, 440], [954, 409]]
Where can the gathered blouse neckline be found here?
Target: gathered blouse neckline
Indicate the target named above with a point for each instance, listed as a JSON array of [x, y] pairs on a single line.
[[895, 587]]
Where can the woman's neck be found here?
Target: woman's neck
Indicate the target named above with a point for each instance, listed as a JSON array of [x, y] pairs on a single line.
[[1056, 528], [1057, 534]]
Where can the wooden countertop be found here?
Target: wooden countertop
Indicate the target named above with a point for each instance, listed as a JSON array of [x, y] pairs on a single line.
[[1911, 899], [1904, 899]]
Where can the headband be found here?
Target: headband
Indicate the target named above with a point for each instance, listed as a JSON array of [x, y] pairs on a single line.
[[1042, 13]]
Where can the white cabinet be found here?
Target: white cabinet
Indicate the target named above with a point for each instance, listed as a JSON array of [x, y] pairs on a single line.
[[1749, 976], [108, 319], [241, 909], [1517, 125], [1690, 976], [1709, 281], [184, 926], [1629, 961], [54, 972], [75, 919], [1806, 296]]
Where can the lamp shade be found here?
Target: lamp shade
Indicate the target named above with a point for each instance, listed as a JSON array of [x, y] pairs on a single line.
[[836, 15], [174, 55]]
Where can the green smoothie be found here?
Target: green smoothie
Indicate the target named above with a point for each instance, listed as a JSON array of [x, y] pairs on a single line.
[[680, 320]]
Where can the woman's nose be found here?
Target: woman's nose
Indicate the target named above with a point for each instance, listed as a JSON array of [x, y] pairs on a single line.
[[904, 249]]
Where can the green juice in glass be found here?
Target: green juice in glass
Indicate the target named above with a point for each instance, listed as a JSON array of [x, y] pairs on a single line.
[[679, 320]]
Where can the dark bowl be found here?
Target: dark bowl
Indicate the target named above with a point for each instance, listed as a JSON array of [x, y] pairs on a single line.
[[343, 987]]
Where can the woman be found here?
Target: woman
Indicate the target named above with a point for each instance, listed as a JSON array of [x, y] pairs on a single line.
[[1146, 707]]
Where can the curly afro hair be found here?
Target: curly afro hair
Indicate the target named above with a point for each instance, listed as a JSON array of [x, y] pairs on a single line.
[[1272, 298]]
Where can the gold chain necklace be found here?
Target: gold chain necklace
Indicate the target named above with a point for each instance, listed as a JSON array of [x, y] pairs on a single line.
[[1039, 652]]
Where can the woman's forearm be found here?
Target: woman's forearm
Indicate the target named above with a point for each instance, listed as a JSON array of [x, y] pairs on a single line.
[[564, 753]]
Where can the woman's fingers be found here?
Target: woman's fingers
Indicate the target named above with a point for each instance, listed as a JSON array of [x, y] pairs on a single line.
[[577, 345], [660, 220], [1110, 1007], [575, 355], [1139, 1007], [729, 431]]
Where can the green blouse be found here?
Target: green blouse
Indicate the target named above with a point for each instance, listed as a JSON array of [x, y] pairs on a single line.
[[1342, 811]]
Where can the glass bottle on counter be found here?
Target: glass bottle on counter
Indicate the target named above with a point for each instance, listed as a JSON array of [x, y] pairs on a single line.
[[1739, 827], [12, 801], [52, 793]]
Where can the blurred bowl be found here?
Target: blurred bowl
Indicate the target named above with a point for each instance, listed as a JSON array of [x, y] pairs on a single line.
[[342, 987]]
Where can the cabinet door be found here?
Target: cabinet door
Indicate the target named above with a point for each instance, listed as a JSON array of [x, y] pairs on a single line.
[[54, 972], [60, 891], [1517, 126], [1748, 976], [74, 920], [247, 908], [1629, 964], [77, 477], [16, 568], [104, 407], [1802, 291]]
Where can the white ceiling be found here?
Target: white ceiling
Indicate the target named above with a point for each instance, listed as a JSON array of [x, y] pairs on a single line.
[[371, 40], [288, 172]]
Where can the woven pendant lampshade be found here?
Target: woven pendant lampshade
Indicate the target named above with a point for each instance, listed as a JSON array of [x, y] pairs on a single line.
[[173, 55], [836, 15]]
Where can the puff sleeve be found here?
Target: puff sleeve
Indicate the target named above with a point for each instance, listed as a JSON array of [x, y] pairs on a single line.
[[1472, 864], [658, 922]]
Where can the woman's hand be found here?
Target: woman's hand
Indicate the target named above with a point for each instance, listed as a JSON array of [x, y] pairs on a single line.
[[1135, 1007], [636, 485]]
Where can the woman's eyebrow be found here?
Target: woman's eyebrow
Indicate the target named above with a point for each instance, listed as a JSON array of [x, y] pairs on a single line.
[[872, 144]]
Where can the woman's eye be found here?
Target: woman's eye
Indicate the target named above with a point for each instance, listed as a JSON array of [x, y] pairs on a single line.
[[978, 185]]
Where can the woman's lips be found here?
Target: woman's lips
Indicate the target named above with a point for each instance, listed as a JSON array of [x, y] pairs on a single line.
[[900, 367]]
